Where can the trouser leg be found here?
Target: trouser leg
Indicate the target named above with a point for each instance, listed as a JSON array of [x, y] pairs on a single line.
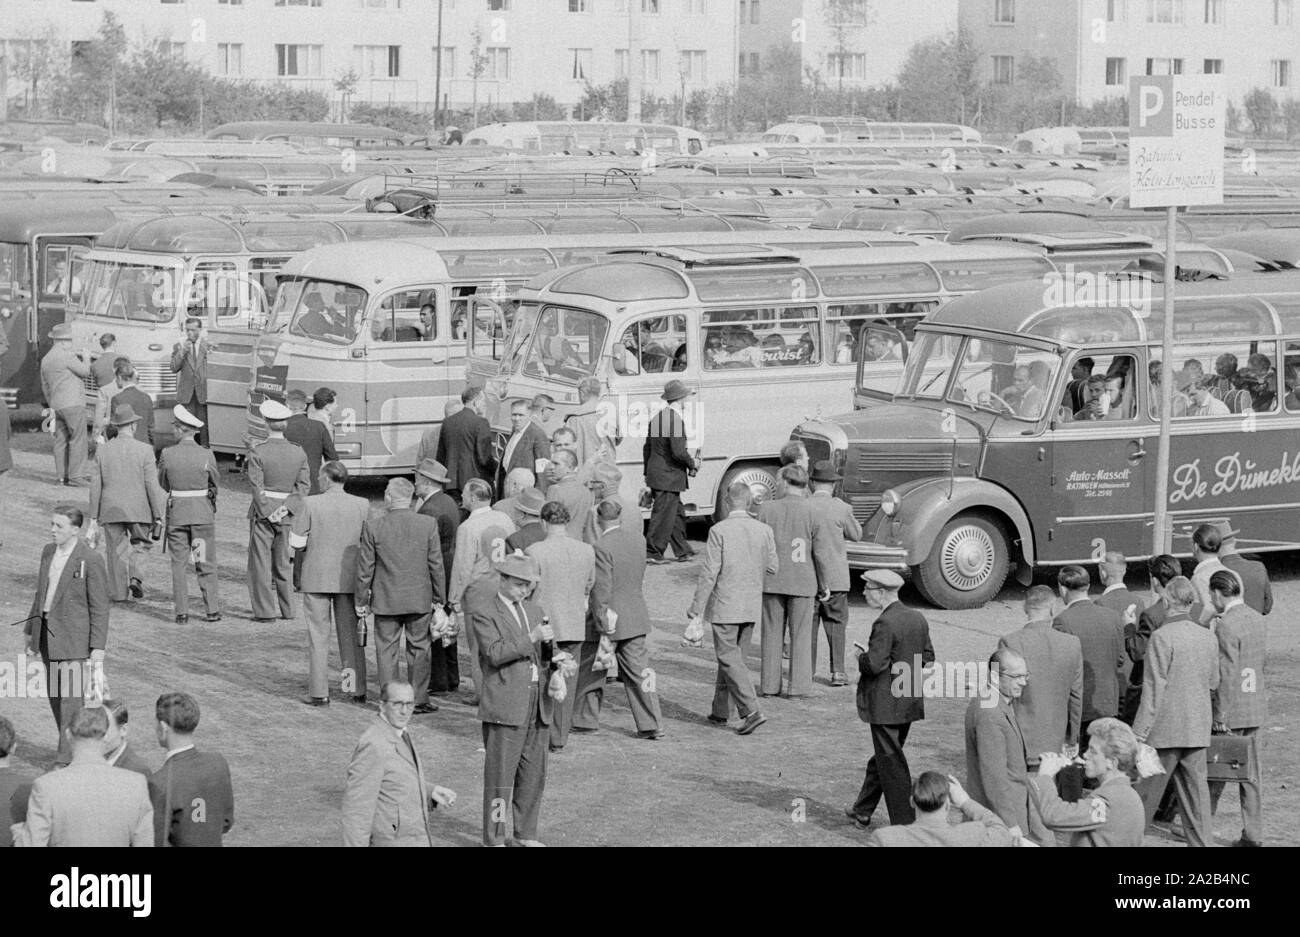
[[733, 672], [352, 659], [71, 437], [417, 654], [677, 539], [530, 776], [639, 682], [316, 611], [178, 550], [203, 544], [502, 746], [562, 712], [282, 569], [663, 516], [832, 616], [1193, 789], [62, 434], [117, 546], [799, 621], [388, 641], [892, 767], [65, 684], [261, 591], [770, 635], [590, 688]]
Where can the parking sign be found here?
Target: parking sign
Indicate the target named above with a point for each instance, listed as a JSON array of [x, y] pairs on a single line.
[[1176, 140]]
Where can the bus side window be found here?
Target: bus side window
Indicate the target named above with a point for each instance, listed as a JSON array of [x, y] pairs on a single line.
[[60, 281], [1291, 376], [1221, 379], [407, 319]]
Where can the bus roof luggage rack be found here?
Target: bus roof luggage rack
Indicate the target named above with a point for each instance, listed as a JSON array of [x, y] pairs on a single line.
[[730, 255]]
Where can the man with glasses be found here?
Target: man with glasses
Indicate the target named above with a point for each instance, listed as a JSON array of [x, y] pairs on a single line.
[[387, 799], [900, 637], [995, 749]]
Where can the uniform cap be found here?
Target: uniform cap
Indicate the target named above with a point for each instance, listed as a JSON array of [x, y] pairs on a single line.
[[274, 410], [184, 416]]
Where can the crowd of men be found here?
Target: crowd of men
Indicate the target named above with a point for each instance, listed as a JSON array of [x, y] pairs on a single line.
[[528, 553]]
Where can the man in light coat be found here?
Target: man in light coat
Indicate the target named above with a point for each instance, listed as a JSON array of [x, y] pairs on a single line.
[[740, 553], [62, 374], [387, 799], [328, 532], [832, 608], [1206, 543], [126, 502]]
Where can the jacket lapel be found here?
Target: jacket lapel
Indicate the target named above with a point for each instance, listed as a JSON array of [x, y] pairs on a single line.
[[72, 566]]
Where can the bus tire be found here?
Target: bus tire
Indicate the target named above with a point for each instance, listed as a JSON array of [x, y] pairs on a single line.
[[761, 479], [967, 565]]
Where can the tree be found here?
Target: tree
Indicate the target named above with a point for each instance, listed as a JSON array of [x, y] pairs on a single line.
[[1291, 117], [38, 61], [604, 102], [345, 83], [847, 21], [1261, 110], [477, 67], [538, 107], [938, 80]]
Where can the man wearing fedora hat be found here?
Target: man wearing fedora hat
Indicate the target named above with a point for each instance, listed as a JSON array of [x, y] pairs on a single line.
[[126, 502], [832, 609], [188, 473], [667, 466], [277, 473], [62, 374], [1253, 574], [531, 530], [432, 500], [513, 706]]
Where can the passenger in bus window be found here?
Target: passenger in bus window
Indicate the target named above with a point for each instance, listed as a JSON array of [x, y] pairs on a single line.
[[62, 284], [844, 349], [1023, 395], [1292, 386], [1225, 379], [1253, 393], [1203, 401], [1179, 399], [1093, 390], [1193, 369], [1076, 390], [679, 359]]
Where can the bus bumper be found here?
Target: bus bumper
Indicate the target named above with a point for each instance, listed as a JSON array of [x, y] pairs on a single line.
[[877, 556]]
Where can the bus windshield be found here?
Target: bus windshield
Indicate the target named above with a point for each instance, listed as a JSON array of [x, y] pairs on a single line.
[[321, 310], [566, 344], [1004, 377], [15, 269], [131, 291]]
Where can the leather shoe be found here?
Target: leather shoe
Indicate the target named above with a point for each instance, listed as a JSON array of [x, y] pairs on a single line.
[[584, 730], [213, 616], [264, 621], [470, 699], [657, 560], [651, 734], [839, 679], [424, 708], [852, 814], [182, 619], [136, 589], [359, 699], [315, 700], [1246, 842], [529, 842], [717, 720], [752, 722]]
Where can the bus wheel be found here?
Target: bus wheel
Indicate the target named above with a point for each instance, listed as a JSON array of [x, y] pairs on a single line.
[[761, 480], [967, 565]]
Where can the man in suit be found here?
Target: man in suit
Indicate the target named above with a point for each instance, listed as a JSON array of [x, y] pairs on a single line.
[[130, 395], [428, 448], [529, 503], [996, 753], [400, 577], [931, 795], [100, 427], [328, 531], [1240, 704], [790, 593], [1163, 570], [514, 648], [432, 501], [126, 502], [190, 364], [516, 481], [1206, 544], [1258, 592], [527, 448], [117, 750], [103, 367], [15, 785], [387, 800], [619, 610], [193, 800], [594, 425], [480, 541], [68, 621], [567, 568], [311, 436], [1049, 707], [1116, 596], [899, 636], [606, 484], [88, 803], [62, 374], [277, 473], [189, 475], [667, 466], [835, 519], [738, 556], [1181, 673], [465, 443], [570, 491], [1101, 636]]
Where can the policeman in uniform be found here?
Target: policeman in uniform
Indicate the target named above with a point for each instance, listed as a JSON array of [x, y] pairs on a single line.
[[277, 472], [188, 473]]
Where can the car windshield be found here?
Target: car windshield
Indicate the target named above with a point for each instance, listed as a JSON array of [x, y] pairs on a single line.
[[565, 344], [1004, 377], [15, 269], [131, 291], [322, 310]]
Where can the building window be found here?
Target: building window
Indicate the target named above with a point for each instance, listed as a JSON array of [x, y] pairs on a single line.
[[847, 65], [1212, 67], [296, 60], [1164, 66], [498, 6], [233, 3], [1281, 73], [1116, 11], [378, 61], [174, 49], [1281, 12], [579, 6], [650, 7], [448, 69], [854, 12], [741, 19], [1116, 71], [1165, 11], [620, 63], [753, 11], [753, 61], [693, 66], [649, 64], [498, 64], [695, 8], [1214, 12], [1004, 69], [230, 59], [298, 3], [580, 64], [1004, 11]]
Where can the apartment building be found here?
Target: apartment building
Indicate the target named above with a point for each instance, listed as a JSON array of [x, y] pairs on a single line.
[[525, 46], [1099, 44], [853, 43]]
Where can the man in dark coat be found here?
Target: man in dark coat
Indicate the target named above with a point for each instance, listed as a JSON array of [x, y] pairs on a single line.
[[432, 501], [667, 465], [312, 436]]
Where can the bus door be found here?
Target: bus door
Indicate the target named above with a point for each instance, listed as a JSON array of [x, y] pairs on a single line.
[[482, 323], [234, 309], [60, 278], [874, 337], [409, 374], [1101, 444]]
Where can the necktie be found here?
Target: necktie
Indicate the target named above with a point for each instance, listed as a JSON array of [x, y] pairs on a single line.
[[519, 614]]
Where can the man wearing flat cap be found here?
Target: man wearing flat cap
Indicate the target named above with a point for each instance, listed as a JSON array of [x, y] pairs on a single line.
[[188, 473], [432, 500], [277, 473], [667, 466], [900, 635], [513, 703], [62, 374], [125, 502]]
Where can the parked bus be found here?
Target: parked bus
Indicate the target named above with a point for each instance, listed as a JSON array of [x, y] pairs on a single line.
[[974, 463], [804, 129], [764, 339], [348, 317], [310, 134], [593, 136]]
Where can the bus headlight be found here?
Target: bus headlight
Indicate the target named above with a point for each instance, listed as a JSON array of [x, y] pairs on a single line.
[[889, 502], [5, 312]]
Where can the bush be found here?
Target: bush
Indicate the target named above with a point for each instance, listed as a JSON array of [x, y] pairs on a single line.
[[401, 119]]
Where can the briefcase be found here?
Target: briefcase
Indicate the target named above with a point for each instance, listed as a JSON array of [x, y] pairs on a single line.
[[1233, 758]]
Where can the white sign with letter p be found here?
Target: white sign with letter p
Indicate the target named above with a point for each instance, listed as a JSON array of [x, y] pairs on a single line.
[[1176, 136]]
